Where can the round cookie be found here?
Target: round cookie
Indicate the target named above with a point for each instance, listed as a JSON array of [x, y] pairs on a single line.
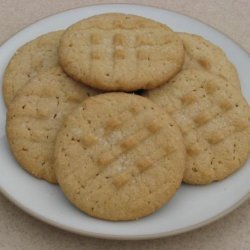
[[33, 57], [119, 157], [35, 115], [215, 121], [202, 54], [118, 52]]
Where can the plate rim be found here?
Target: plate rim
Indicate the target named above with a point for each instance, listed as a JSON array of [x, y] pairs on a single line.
[[122, 237], [58, 225]]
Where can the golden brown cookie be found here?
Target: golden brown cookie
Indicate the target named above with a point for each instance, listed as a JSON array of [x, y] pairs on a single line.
[[36, 114], [204, 55], [119, 52], [215, 121], [119, 157], [33, 57]]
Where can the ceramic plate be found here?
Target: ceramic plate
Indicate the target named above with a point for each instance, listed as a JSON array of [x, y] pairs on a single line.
[[191, 207]]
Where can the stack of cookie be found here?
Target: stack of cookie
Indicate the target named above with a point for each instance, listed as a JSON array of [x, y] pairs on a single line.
[[117, 155]]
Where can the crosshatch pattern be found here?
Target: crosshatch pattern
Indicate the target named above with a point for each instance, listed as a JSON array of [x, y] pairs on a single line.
[[36, 114], [131, 147], [35, 56], [126, 54], [214, 119], [204, 55]]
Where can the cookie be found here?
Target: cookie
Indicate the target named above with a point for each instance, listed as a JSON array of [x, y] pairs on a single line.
[[119, 157], [118, 52], [204, 55], [33, 57], [36, 114], [215, 121]]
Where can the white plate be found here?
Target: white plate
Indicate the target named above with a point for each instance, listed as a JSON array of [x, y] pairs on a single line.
[[192, 206]]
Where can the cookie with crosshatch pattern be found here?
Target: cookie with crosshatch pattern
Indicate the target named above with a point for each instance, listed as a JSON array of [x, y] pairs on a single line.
[[121, 52], [119, 157], [204, 55], [33, 57], [36, 114], [215, 121]]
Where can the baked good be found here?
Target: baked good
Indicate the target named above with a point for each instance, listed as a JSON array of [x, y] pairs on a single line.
[[36, 114], [215, 121], [33, 57], [204, 55], [118, 52], [119, 157]]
